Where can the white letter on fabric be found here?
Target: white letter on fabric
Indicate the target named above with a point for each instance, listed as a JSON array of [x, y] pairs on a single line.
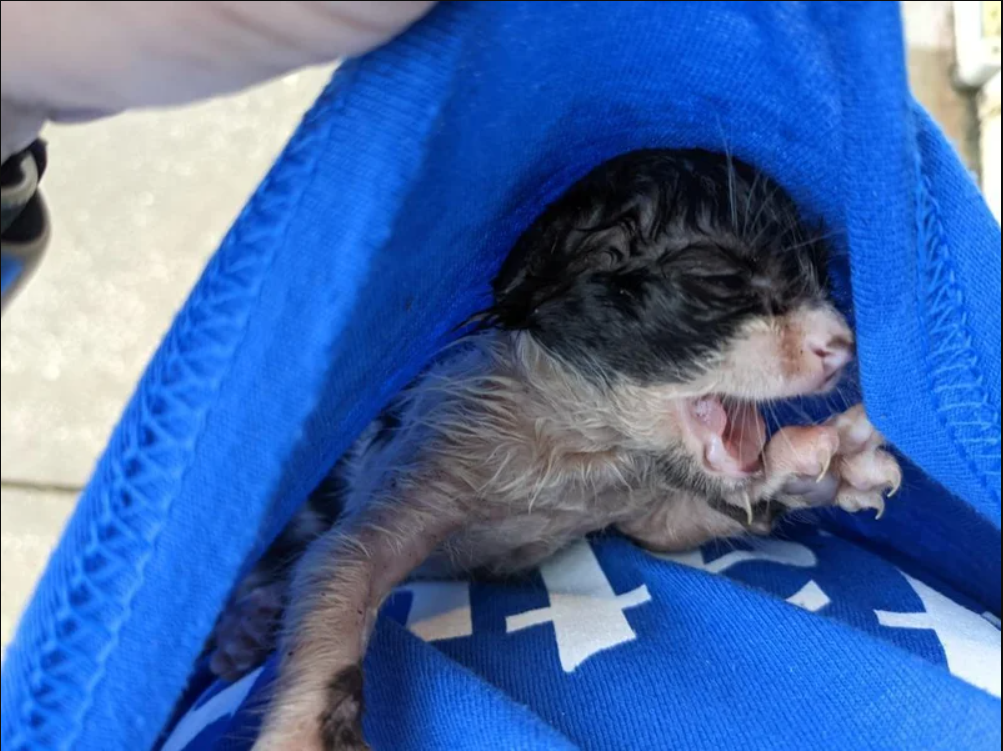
[[971, 643], [439, 610], [224, 704], [810, 596], [587, 615]]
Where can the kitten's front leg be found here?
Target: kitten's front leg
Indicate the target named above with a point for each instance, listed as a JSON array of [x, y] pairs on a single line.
[[336, 592]]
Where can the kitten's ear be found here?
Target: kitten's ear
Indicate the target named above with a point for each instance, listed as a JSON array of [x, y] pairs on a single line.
[[531, 251]]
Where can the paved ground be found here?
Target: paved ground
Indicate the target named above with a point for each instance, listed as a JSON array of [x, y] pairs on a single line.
[[140, 202], [990, 106]]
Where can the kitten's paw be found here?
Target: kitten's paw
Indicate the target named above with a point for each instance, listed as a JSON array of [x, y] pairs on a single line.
[[868, 474], [329, 720], [798, 463], [246, 633], [341, 722], [854, 472], [867, 479]]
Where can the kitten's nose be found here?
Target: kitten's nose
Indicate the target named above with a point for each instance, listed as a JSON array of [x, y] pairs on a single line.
[[835, 353]]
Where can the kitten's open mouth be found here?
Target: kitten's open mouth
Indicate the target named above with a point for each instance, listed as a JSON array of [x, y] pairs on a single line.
[[731, 431]]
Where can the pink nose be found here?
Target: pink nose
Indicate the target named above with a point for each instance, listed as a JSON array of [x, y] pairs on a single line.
[[835, 353]]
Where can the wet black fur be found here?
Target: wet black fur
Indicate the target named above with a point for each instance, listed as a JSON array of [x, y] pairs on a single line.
[[650, 263]]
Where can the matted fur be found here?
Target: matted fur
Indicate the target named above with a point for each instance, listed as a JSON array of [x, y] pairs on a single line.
[[660, 280]]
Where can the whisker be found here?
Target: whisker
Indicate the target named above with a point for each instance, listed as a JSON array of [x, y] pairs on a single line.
[[811, 241], [748, 205]]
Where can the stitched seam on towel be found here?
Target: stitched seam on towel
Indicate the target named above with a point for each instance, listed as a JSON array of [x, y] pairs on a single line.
[[218, 300], [229, 297], [954, 369]]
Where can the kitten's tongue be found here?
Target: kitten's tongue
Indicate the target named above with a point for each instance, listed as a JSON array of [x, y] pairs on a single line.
[[733, 436]]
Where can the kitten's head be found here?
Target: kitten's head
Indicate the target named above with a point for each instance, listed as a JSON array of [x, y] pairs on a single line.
[[685, 286]]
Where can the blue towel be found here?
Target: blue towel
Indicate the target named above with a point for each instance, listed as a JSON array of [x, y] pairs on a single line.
[[378, 231], [611, 649]]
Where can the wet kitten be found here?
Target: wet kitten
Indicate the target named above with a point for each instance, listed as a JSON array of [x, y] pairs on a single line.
[[614, 384]]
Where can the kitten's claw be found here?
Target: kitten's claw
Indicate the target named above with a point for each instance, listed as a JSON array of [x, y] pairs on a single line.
[[854, 502], [825, 469]]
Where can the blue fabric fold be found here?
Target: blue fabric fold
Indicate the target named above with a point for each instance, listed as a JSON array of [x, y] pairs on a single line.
[[677, 658], [378, 231]]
